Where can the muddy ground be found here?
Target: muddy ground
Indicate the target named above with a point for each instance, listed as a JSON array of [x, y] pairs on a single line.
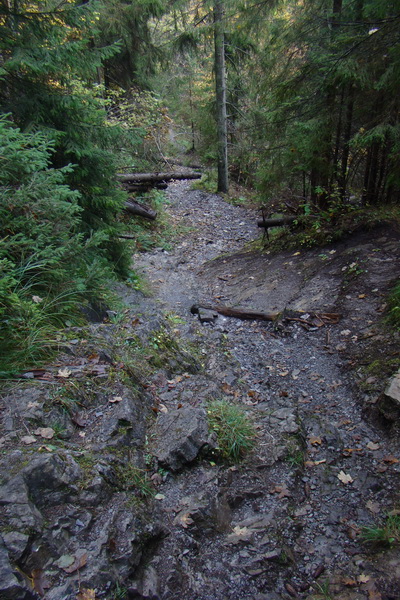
[[284, 523]]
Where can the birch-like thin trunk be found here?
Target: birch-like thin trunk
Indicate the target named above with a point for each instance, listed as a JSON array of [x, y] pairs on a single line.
[[220, 88]]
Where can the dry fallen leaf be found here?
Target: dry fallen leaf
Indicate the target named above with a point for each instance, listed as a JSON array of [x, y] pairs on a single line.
[[373, 507], [391, 460], [28, 439], [373, 446], [345, 477], [86, 594], [281, 490], [115, 399], [363, 578], [183, 519], [314, 463], [64, 373], [349, 581], [79, 562], [349, 451], [239, 534], [315, 440], [45, 432]]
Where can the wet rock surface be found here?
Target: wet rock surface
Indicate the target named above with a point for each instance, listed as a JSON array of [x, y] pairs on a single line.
[[76, 509]]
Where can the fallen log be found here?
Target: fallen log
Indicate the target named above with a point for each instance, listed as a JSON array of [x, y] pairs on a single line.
[[309, 319], [238, 313], [142, 210], [144, 187], [278, 222], [154, 177]]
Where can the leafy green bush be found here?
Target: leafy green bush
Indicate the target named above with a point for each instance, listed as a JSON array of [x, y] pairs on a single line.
[[235, 432], [46, 264]]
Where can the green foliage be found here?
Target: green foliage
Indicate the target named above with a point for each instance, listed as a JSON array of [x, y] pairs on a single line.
[[132, 478], [120, 592], [46, 85], [394, 306], [386, 535], [59, 201], [47, 265], [41, 278], [343, 71], [235, 432], [144, 120], [153, 234], [208, 182], [129, 23]]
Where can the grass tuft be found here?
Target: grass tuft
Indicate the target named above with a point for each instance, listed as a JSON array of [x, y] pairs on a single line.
[[387, 535], [394, 306], [235, 432]]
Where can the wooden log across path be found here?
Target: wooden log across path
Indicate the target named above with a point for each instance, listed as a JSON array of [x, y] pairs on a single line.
[[307, 319], [238, 313], [156, 177]]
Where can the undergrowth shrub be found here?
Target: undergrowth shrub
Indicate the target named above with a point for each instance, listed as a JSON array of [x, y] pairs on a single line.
[[47, 265]]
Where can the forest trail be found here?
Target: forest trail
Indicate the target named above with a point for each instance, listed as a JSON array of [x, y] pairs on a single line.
[[78, 516], [321, 469]]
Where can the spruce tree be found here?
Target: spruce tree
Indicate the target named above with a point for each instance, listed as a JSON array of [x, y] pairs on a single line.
[[48, 68]]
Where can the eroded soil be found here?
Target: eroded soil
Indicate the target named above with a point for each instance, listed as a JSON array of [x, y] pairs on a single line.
[[284, 523]]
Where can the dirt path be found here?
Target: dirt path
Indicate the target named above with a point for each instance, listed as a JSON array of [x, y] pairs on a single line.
[[89, 509], [291, 515]]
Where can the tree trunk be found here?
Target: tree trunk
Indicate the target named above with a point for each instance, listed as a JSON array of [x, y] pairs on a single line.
[[346, 143], [220, 88]]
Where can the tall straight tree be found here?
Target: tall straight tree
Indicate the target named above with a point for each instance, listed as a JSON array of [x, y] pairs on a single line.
[[220, 87]]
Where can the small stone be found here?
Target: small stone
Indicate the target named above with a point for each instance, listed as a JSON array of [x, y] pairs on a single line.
[[207, 316]]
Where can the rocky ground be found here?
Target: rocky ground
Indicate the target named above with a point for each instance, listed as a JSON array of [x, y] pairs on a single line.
[[111, 481]]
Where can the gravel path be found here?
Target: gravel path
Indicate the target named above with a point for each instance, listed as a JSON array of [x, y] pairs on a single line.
[[324, 465]]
